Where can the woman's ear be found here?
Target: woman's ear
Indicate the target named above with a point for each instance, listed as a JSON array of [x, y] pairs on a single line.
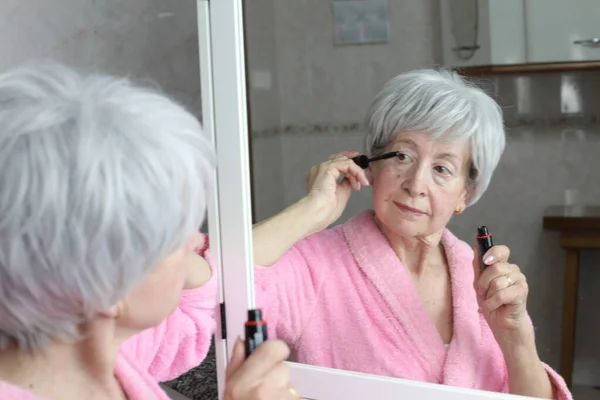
[[466, 196]]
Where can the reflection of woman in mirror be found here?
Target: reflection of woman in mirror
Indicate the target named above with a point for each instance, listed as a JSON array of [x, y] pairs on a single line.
[[392, 291], [101, 293]]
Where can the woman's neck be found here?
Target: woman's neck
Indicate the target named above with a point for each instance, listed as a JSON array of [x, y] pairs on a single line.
[[84, 370], [416, 253]]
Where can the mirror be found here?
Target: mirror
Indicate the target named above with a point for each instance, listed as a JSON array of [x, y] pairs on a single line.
[[344, 298], [224, 110]]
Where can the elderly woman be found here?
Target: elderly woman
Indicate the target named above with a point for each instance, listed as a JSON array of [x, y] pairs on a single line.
[[103, 190], [392, 291]]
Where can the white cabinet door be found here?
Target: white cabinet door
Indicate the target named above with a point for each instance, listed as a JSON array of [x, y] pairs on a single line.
[[562, 30]]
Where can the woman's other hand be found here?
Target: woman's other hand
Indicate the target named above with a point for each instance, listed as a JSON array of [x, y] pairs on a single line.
[[198, 270], [327, 192], [502, 296], [502, 291], [263, 376]]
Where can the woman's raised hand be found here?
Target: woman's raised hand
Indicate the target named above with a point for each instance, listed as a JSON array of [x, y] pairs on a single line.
[[325, 189]]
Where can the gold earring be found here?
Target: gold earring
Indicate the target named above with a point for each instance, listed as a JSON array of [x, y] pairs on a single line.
[[459, 211]]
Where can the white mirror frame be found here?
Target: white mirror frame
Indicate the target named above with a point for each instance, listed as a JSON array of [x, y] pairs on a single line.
[[223, 80]]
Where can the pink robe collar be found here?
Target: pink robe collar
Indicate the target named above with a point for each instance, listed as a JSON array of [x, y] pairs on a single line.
[[382, 267]]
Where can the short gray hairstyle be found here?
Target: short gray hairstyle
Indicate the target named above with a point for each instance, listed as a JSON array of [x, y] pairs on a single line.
[[100, 179], [443, 105]]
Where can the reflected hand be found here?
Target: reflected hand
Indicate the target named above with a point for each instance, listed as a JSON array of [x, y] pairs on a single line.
[[263, 376], [330, 196], [198, 270], [502, 291]]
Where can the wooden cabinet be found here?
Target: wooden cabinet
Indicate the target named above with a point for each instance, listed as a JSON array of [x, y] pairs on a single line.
[[520, 35], [579, 231], [562, 30]]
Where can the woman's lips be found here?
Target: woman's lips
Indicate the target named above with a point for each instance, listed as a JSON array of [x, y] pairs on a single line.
[[408, 209]]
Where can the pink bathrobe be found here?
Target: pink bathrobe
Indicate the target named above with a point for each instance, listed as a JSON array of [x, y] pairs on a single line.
[[159, 354], [342, 299]]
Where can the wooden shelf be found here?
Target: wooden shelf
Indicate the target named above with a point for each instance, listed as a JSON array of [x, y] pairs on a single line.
[[558, 218], [529, 68]]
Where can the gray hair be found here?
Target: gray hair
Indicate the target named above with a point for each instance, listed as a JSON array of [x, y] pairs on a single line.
[[442, 105], [100, 180]]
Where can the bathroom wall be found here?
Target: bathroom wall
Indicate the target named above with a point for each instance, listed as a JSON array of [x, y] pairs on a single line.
[[144, 39], [264, 105], [322, 92]]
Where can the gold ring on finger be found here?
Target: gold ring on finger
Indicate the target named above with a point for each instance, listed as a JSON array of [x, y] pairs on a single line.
[[509, 281], [293, 392]]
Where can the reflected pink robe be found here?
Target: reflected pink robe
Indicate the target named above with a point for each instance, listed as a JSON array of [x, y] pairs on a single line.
[[342, 299]]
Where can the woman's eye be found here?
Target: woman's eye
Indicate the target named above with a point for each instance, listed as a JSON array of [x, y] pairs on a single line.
[[442, 170], [403, 157]]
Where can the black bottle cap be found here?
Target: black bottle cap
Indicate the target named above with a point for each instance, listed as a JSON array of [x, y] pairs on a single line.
[[254, 315], [482, 231]]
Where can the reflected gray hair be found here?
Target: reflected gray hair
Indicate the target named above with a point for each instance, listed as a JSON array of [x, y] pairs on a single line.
[[442, 105], [100, 179]]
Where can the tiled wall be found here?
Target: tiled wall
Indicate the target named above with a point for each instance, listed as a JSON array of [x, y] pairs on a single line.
[[315, 75], [554, 139], [264, 108], [140, 38]]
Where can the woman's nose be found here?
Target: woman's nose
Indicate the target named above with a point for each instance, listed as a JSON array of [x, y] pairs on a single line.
[[415, 188], [415, 183]]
